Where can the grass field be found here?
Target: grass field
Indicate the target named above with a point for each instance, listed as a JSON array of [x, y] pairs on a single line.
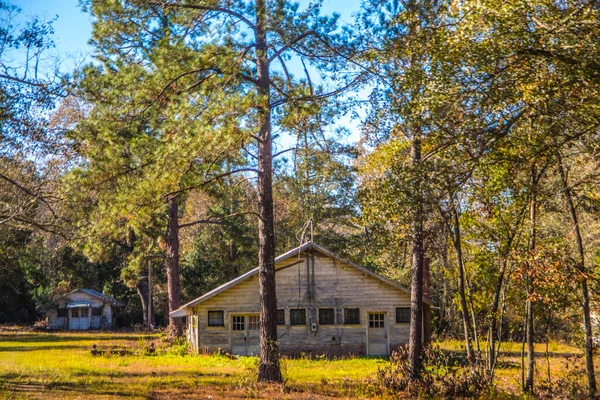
[[61, 366]]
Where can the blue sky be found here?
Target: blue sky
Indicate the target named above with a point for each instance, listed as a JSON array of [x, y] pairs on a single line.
[[73, 28]]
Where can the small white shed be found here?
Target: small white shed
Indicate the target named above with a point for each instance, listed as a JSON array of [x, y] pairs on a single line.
[[83, 309]]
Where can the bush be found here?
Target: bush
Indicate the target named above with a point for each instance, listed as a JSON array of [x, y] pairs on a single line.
[[572, 384], [440, 377]]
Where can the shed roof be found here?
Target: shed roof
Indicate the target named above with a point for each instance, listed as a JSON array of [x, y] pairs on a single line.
[[95, 293], [180, 312]]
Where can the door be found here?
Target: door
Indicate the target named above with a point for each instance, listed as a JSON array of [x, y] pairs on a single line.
[[252, 342], [244, 335], [79, 318], [377, 334], [238, 335]]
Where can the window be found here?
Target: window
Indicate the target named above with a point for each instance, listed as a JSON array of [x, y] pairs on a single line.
[[403, 315], [83, 313], [61, 313], [376, 320], [238, 323], [298, 316], [326, 316], [351, 316], [216, 318], [281, 317], [253, 322], [96, 312]]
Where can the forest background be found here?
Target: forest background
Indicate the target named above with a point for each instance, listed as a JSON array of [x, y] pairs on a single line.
[[457, 135]]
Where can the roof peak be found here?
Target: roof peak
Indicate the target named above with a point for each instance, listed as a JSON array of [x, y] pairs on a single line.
[[180, 312]]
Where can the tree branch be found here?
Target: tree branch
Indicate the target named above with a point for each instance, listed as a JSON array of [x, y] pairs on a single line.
[[209, 220], [208, 8], [290, 44]]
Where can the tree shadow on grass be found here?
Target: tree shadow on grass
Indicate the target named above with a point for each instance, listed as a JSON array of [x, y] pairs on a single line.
[[25, 388], [117, 384], [67, 337], [5, 349]]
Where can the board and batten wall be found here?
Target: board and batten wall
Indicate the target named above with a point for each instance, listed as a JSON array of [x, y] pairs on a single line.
[[336, 285]]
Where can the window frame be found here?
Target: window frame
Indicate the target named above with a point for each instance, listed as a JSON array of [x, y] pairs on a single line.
[[294, 311], [208, 320], [279, 321], [346, 322], [253, 322], [96, 311], [376, 322], [332, 321], [241, 322], [396, 316]]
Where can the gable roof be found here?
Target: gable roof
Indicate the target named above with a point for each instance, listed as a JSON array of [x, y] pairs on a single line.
[[180, 312], [95, 293]]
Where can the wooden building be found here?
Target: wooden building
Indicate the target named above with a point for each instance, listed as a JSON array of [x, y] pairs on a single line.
[[326, 305], [83, 309]]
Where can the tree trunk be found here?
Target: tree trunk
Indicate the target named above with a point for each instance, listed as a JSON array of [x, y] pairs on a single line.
[[142, 290], [589, 356], [530, 287], [268, 368], [494, 317], [461, 289], [493, 328], [172, 261], [416, 286]]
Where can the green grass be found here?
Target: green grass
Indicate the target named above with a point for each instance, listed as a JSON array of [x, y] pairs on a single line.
[[61, 366], [512, 347]]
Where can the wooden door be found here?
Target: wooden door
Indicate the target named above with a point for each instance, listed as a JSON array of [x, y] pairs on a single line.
[[80, 318], [238, 335], [252, 337], [73, 318], [377, 334], [244, 335]]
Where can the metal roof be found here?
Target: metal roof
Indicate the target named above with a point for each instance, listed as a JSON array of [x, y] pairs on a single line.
[[78, 304], [95, 293], [180, 312]]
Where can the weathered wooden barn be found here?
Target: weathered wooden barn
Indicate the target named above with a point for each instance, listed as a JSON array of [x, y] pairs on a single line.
[[83, 309], [326, 305]]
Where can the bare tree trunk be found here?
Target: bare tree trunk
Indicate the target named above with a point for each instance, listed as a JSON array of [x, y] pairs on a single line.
[[172, 261], [461, 288], [589, 355], [494, 317], [269, 368], [493, 352], [416, 287], [142, 290], [530, 287]]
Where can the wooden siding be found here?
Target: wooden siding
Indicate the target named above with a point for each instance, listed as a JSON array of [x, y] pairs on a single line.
[[96, 322], [337, 286]]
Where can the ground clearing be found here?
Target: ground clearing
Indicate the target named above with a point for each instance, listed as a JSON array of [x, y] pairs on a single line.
[[61, 366]]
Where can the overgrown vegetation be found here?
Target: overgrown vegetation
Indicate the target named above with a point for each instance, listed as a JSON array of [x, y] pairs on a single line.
[[205, 137], [61, 365], [443, 376]]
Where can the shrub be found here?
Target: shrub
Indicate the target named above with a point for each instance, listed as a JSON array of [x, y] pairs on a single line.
[[572, 384], [440, 377]]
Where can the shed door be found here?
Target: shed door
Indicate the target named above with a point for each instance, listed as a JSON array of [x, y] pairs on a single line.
[[79, 318], [238, 335], [244, 335], [253, 344], [377, 332]]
